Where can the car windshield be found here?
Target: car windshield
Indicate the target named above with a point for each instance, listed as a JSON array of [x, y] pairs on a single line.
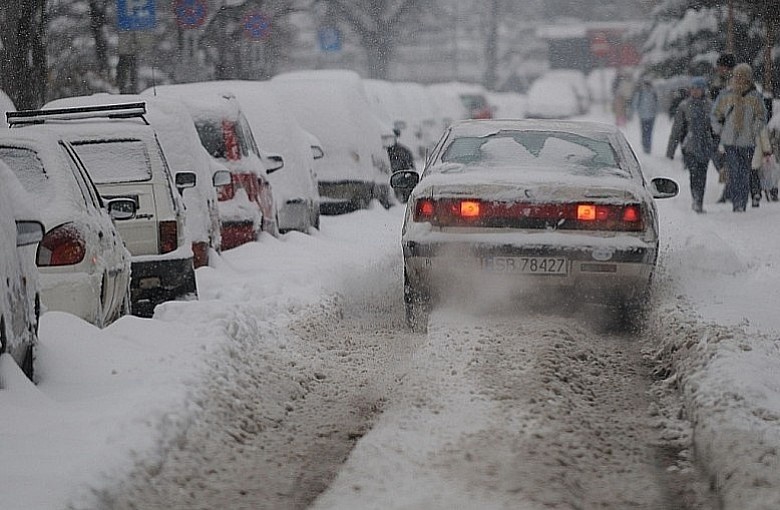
[[30, 172], [112, 161], [551, 150]]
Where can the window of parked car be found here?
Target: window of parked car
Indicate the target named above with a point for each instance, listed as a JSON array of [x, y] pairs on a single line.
[[30, 171], [112, 161]]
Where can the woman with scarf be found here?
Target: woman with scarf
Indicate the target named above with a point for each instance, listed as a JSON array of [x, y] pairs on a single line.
[[691, 130], [739, 116]]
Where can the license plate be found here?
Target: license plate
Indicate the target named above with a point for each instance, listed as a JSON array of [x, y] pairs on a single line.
[[526, 265]]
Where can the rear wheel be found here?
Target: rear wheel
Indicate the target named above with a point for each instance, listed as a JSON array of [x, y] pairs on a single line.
[[416, 305]]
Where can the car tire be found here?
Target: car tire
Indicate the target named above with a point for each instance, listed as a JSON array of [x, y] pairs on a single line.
[[416, 306]]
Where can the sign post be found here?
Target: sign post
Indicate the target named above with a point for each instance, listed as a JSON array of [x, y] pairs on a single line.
[[132, 16]]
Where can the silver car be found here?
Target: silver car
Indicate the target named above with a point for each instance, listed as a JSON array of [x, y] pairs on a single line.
[[540, 207]]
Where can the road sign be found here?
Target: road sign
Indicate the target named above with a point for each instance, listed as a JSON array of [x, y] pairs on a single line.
[[329, 39], [135, 14], [599, 46], [190, 13], [257, 26]]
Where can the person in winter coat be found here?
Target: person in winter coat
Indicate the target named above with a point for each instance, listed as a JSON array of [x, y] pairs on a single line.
[[691, 130], [739, 116], [645, 103], [724, 67]]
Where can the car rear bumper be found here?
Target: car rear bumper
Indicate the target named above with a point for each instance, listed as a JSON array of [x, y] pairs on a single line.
[[74, 293], [236, 233], [605, 272], [155, 281]]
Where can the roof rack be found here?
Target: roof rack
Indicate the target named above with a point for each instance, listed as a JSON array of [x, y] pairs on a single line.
[[109, 111]]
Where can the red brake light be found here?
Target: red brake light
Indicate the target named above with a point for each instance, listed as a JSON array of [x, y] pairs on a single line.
[[425, 210], [61, 246], [169, 238], [631, 214]]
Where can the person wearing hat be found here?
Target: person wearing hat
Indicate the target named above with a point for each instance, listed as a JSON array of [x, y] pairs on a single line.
[[692, 132], [739, 116], [724, 66]]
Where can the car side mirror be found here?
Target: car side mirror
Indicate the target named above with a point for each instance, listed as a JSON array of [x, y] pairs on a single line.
[[317, 152], [404, 179], [221, 178], [121, 208], [28, 232], [663, 187], [275, 162], [185, 180]]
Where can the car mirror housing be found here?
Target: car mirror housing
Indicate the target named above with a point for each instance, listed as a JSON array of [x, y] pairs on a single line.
[[663, 187], [317, 152], [185, 180], [221, 178], [274, 162], [404, 179], [121, 208], [28, 232]]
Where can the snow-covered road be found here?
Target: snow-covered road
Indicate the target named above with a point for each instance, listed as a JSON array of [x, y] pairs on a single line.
[[292, 383]]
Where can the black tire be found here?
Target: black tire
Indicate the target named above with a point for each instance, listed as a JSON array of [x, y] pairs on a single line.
[[416, 306]]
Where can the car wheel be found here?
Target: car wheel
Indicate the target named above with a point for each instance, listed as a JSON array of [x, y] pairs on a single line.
[[631, 314], [416, 306]]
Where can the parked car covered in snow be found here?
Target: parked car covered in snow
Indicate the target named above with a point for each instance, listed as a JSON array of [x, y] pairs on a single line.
[[246, 205], [332, 104], [558, 206], [550, 98], [83, 262], [295, 190], [470, 99], [122, 154], [183, 152], [20, 231]]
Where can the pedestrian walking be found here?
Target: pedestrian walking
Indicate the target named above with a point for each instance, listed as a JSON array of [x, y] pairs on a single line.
[[645, 103], [724, 67], [691, 130], [622, 88], [739, 116]]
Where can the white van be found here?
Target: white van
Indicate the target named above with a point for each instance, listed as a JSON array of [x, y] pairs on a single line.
[[124, 158]]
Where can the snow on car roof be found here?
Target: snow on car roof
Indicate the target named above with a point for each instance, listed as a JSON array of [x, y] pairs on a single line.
[[201, 99], [486, 127]]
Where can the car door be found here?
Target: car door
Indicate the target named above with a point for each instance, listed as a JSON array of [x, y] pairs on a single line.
[[111, 245]]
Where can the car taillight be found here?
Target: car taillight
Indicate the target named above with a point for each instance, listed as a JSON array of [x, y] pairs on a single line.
[[451, 212], [169, 236], [610, 217], [61, 246]]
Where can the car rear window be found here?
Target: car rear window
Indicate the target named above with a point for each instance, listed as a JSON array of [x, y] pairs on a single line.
[[212, 138], [30, 172], [539, 149], [112, 161]]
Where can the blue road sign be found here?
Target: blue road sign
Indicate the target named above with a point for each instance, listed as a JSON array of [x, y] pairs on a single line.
[[135, 14], [257, 26], [329, 39], [190, 13]]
